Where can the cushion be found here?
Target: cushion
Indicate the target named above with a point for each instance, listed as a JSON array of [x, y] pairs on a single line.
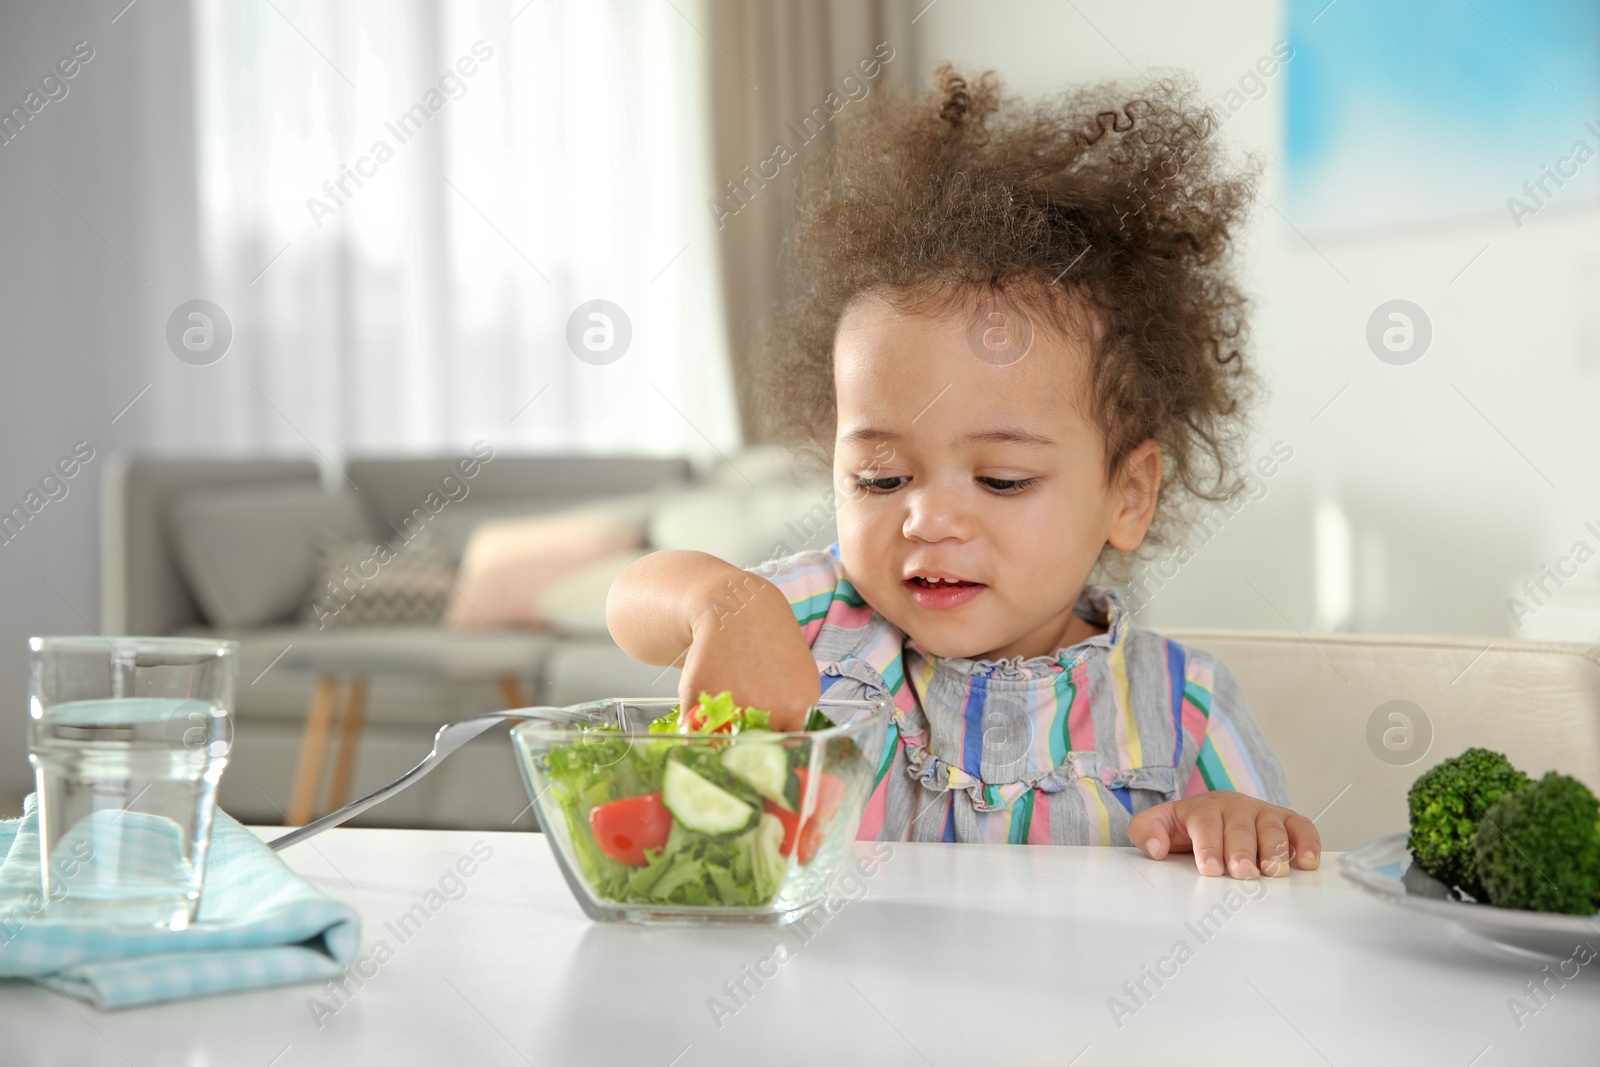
[[455, 525], [576, 603], [762, 464], [746, 525], [247, 553], [361, 582], [509, 564]]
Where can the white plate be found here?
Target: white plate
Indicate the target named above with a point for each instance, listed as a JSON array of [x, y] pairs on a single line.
[[1383, 868]]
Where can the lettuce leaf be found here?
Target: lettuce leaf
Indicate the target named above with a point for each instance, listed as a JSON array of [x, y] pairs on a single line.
[[717, 711]]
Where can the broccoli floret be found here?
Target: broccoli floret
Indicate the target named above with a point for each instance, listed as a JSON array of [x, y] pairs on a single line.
[[1539, 848], [1447, 803]]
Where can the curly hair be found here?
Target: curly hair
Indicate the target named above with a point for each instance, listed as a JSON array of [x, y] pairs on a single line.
[[1106, 207]]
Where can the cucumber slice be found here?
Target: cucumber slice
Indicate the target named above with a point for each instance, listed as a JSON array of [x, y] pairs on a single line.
[[764, 765], [701, 805], [767, 857]]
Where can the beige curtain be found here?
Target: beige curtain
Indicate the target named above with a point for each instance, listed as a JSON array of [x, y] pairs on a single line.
[[783, 72]]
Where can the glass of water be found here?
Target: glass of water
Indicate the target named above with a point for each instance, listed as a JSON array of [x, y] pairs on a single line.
[[128, 738]]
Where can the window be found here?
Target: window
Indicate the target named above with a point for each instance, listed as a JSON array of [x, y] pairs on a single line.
[[403, 204]]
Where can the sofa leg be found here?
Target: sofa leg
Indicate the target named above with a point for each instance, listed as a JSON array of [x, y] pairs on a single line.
[[344, 768], [313, 742], [511, 692]]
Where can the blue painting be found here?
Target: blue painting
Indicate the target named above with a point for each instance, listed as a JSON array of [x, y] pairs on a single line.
[[1433, 110]]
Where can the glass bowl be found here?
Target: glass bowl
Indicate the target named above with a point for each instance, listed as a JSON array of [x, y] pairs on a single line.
[[743, 828]]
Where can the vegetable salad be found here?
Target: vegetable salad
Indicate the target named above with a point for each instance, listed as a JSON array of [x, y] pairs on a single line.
[[662, 822]]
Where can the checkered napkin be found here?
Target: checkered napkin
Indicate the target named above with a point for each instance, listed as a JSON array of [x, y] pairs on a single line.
[[260, 924]]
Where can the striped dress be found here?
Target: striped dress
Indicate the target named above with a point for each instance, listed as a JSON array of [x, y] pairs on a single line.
[[1045, 750]]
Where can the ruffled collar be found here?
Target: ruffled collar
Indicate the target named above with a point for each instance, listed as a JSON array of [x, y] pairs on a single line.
[[1103, 607], [1098, 606]]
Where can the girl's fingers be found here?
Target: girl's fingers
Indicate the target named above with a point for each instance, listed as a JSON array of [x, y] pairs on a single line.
[[1204, 826], [1305, 842], [1239, 833], [1153, 830], [1273, 842], [1243, 840]]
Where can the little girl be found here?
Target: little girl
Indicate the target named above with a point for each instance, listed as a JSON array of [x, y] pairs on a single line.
[[1014, 331]]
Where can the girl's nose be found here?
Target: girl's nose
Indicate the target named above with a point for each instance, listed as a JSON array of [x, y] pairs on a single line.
[[935, 515]]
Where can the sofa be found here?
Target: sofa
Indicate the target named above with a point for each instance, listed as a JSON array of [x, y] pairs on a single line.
[[412, 678], [1354, 717]]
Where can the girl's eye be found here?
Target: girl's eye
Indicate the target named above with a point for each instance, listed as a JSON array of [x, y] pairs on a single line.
[[1006, 486], [881, 485]]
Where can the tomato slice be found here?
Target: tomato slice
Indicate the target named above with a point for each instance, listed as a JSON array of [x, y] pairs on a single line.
[[810, 839], [626, 829], [791, 826], [830, 794], [696, 719]]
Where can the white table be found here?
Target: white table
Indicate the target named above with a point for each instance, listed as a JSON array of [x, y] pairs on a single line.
[[959, 955]]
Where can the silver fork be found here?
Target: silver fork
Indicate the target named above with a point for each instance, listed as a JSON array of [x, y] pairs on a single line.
[[450, 736]]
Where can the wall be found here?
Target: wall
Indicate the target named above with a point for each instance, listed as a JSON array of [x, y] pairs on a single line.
[[86, 280], [1439, 485]]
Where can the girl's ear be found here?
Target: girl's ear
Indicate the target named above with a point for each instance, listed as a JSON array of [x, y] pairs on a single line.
[[1138, 485]]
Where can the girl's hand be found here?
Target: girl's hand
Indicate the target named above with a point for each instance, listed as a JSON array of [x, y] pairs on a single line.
[[1230, 832], [731, 630], [758, 653]]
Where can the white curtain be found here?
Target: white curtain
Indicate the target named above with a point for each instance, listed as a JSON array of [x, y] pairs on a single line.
[[402, 204]]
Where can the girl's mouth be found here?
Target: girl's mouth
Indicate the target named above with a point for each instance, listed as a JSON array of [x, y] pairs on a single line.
[[941, 594]]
